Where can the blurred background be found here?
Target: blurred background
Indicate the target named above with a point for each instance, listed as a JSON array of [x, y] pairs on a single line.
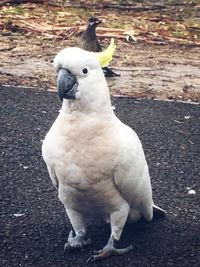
[[158, 43]]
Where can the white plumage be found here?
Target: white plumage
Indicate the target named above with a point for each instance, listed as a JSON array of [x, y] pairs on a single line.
[[96, 162]]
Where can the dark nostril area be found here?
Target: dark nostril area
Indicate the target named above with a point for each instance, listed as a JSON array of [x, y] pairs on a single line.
[[60, 69], [66, 70]]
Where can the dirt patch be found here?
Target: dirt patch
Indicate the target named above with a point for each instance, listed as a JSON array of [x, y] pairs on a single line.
[[151, 68]]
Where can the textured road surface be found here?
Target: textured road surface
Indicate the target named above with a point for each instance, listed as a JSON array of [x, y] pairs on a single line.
[[33, 223]]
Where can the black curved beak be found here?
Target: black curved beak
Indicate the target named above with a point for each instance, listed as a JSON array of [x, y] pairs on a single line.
[[66, 84]]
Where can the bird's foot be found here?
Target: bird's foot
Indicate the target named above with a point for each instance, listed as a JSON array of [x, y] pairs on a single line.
[[107, 251], [76, 242], [110, 73]]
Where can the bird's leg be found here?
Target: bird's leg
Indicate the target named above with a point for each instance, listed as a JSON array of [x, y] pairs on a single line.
[[78, 222], [118, 220]]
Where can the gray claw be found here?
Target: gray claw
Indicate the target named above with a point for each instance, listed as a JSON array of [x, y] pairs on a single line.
[[76, 242]]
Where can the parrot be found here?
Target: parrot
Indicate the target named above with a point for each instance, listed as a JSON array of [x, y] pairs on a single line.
[[88, 41], [95, 161]]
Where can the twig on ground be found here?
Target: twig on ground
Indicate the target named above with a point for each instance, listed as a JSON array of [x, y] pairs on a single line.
[[7, 48], [136, 8], [4, 2]]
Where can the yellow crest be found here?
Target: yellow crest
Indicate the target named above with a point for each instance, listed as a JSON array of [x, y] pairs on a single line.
[[105, 56]]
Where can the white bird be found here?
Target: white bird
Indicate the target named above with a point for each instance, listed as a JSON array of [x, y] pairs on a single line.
[[95, 161]]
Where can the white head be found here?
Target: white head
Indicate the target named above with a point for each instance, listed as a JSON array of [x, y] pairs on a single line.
[[81, 79]]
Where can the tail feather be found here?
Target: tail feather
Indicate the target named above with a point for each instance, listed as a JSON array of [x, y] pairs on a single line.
[[158, 212]]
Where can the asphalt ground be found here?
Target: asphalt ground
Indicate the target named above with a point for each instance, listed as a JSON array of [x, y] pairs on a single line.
[[33, 223]]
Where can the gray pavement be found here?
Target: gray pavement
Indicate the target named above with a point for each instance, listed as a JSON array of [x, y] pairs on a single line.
[[33, 223]]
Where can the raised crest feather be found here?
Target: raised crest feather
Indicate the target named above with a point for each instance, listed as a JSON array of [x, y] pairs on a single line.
[[105, 56]]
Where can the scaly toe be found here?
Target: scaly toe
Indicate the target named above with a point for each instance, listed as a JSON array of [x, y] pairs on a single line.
[[76, 242], [107, 252]]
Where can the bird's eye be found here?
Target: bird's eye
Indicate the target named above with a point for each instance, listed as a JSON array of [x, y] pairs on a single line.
[[84, 70]]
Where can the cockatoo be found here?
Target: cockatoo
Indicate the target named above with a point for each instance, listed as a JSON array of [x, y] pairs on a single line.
[[95, 161]]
